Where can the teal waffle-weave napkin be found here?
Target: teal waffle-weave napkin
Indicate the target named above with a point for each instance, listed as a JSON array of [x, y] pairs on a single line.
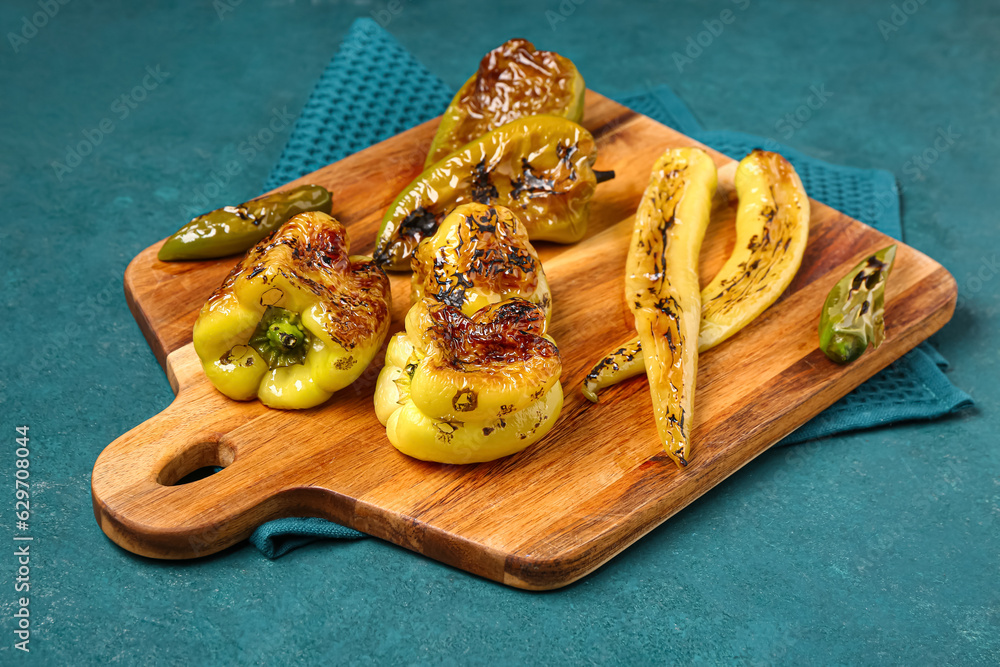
[[374, 88]]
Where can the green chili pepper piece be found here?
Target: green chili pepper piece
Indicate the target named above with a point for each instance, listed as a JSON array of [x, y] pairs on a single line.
[[234, 229], [854, 312], [540, 167], [280, 339]]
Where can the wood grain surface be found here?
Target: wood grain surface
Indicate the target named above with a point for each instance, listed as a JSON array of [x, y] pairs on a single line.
[[555, 512]]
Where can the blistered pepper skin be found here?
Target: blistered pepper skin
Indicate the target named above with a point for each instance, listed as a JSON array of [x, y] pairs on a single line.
[[234, 229], [513, 81], [459, 389], [772, 231], [661, 287], [297, 319], [480, 255], [854, 312], [540, 167]]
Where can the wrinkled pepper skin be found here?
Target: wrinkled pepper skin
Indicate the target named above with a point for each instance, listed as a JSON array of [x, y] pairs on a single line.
[[772, 231], [662, 290], [854, 313], [480, 255], [298, 318], [459, 389], [513, 81], [539, 167], [234, 229]]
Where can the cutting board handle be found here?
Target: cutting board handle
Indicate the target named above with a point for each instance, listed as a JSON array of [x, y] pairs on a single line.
[[137, 500]]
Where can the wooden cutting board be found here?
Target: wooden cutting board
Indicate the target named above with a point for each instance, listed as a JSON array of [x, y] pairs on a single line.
[[563, 507]]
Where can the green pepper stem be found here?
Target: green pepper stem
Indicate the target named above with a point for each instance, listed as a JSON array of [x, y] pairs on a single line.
[[282, 332], [280, 339], [601, 176]]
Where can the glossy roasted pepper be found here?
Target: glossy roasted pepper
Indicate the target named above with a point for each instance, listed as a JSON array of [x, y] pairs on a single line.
[[661, 287], [513, 81], [297, 319], [772, 230], [539, 167], [480, 255], [459, 389], [234, 229], [854, 312]]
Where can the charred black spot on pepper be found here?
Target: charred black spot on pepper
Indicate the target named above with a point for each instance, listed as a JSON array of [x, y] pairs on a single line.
[[465, 400], [486, 223], [530, 183], [453, 296], [418, 223], [483, 189], [565, 153]]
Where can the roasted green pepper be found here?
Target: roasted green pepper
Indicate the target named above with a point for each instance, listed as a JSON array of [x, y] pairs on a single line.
[[513, 81], [234, 229], [854, 312], [539, 167], [297, 319]]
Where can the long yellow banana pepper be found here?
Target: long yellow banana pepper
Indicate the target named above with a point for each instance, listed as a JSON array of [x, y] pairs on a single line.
[[661, 286], [772, 230]]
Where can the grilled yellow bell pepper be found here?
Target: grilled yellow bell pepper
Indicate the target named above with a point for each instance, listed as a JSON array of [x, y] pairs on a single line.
[[479, 255], [297, 319], [513, 81], [460, 389], [540, 167], [772, 231], [661, 286]]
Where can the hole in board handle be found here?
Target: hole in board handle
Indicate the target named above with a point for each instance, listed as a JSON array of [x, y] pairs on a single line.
[[197, 462], [196, 475]]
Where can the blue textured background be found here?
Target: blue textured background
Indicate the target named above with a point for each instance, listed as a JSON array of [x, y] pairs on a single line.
[[875, 547]]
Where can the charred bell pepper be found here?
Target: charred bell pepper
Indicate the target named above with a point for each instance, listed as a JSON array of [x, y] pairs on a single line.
[[460, 389], [854, 312], [539, 167], [479, 255], [234, 229], [513, 81], [772, 230], [661, 286], [297, 319]]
